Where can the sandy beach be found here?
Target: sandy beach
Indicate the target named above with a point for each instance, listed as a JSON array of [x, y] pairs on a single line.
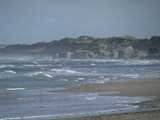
[[148, 88]]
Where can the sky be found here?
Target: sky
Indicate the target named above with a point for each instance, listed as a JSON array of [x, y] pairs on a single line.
[[31, 21]]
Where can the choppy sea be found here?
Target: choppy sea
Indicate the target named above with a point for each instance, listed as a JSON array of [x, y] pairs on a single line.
[[24, 86]]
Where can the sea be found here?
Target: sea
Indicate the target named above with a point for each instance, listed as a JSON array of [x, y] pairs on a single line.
[[25, 85]]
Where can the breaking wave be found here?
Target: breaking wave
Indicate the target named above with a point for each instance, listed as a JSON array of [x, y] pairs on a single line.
[[63, 71], [10, 71], [15, 89], [38, 73], [4, 66]]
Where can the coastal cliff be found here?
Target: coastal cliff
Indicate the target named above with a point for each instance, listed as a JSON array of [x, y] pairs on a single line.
[[87, 47]]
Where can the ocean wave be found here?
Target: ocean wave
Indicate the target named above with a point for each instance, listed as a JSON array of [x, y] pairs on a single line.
[[10, 71], [38, 73], [138, 62], [63, 71], [106, 79], [100, 82], [12, 118], [35, 62], [130, 75], [4, 66], [80, 78], [123, 62], [64, 80], [37, 65], [93, 64], [34, 74], [38, 117], [27, 98], [90, 98], [15, 89], [47, 75], [30, 65]]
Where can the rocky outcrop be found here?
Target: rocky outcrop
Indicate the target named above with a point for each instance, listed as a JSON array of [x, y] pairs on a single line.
[[86, 47]]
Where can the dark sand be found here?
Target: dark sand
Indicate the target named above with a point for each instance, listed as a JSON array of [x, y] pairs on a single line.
[[145, 115], [148, 88], [126, 88]]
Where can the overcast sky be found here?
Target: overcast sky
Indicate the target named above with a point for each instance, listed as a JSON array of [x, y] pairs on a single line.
[[31, 21]]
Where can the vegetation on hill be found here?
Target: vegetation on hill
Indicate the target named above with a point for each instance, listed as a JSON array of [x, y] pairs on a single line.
[[124, 47]]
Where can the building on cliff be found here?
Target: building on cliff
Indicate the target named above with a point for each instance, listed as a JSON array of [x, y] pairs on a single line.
[[125, 52]]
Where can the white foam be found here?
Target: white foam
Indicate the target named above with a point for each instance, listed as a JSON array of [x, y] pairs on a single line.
[[47, 75], [44, 65], [37, 65], [14, 89], [65, 80], [62, 71], [29, 65], [139, 62], [92, 64], [35, 62], [35, 117], [100, 82], [106, 79], [34, 74], [136, 106], [25, 98], [15, 118], [20, 98], [38, 73], [55, 60], [130, 75], [101, 61], [4, 66], [10, 71], [80, 78], [122, 105], [90, 98]]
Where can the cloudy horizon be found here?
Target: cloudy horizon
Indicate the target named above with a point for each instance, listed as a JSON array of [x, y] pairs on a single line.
[[31, 21]]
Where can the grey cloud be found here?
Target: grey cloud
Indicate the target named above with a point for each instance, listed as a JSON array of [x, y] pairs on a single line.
[[28, 21]]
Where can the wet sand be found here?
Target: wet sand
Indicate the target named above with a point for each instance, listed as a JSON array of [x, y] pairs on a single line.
[[145, 115], [148, 88], [126, 88]]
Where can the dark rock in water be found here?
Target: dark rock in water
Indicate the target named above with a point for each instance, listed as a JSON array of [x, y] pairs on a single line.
[[86, 47]]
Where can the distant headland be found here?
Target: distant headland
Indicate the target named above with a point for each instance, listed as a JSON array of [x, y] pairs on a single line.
[[87, 47]]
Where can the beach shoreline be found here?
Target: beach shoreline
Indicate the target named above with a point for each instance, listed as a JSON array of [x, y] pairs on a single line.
[[130, 88], [140, 115]]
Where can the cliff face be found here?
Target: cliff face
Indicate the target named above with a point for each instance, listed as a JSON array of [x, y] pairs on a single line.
[[125, 47]]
